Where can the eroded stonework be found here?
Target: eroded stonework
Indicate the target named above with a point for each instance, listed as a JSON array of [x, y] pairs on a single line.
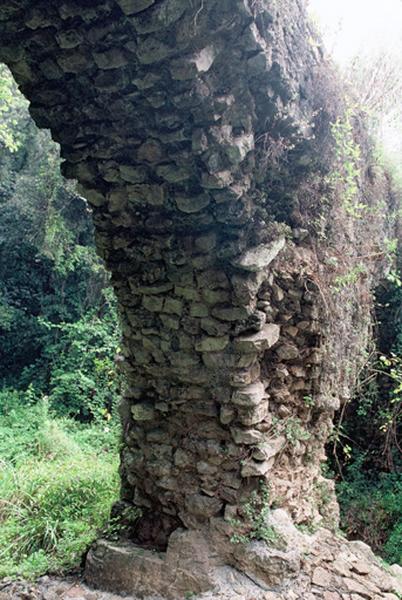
[[199, 135]]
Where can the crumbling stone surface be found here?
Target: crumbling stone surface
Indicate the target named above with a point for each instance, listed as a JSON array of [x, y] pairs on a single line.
[[199, 135], [307, 567]]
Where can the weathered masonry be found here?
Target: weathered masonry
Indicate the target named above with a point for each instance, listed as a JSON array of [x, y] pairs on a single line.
[[197, 130]]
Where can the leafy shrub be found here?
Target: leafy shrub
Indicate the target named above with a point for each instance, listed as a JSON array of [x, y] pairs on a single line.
[[371, 509], [365, 450], [57, 484]]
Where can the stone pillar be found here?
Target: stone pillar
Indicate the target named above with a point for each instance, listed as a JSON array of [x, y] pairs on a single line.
[[176, 119]]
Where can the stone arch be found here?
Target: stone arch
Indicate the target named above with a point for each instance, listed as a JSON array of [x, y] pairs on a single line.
[[189, 126]]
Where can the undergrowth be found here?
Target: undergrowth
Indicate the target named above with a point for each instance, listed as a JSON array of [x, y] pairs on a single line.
[[371, 509], [366, 450], [58, 480]]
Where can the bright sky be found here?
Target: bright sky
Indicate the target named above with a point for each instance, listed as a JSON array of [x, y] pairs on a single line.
[[349, 26], [353, 27]]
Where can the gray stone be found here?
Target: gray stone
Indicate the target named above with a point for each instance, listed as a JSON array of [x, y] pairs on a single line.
[[152, 303], [288, 352], [162, 16], [143, 412], [267, 450], [151, 50], [133, 174], [192, 204], [217, 181], [110, 59], [212, 344], [150, 151], [199, 310], [173, 306], [227, 414], [230, 313], [154, 195], [260, 257], [267, 565], [74, 62], [252, 468], [258, 342], [170, 322], [248, 437], [252, 395], [202, 506], [71, 38], [253, 415], [131, 7], [172, 173]]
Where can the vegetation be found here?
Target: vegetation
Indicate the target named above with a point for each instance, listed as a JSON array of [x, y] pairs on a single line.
[[345, 177], [59, 336], [366, 451], [58, 480], [253, 522]]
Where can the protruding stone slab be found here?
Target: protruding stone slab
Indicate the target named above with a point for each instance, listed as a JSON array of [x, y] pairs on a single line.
[[127, 568], [252, 468], [267, 450], [132, 7], [260, 257], [260, 341], [212, 344], [252, 415], [247, 436], [252, 395]]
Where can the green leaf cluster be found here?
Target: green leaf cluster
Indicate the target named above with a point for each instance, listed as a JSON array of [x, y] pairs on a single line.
[[58, 480]]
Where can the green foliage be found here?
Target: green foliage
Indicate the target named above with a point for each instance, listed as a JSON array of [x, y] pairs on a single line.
[[309, 401], [79, 359], [292, 427], [254, 525], [345, 177], [371, 509], [12, 111], [57, 483], [366, 442], [59, 336], [294, 431], [349, 278], [58, 322]]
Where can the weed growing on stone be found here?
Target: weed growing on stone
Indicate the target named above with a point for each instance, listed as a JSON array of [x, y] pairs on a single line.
[[346, 174], [308, 401], [349, 278], [308, 528], [254, 524], [294, 431]]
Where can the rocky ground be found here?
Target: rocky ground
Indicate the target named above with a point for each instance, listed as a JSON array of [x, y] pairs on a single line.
[[321, 566], [48, 588]]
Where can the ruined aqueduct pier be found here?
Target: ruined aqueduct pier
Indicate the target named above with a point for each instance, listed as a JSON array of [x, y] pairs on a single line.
[[199, 133]]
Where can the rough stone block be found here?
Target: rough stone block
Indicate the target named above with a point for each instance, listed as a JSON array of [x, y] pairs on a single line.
[[247, 436], [258, 342], [252, 395], [252, 468], [131, 7], [192, 204], [260, 257], [143, 412], [253, 415], [212, 344]]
